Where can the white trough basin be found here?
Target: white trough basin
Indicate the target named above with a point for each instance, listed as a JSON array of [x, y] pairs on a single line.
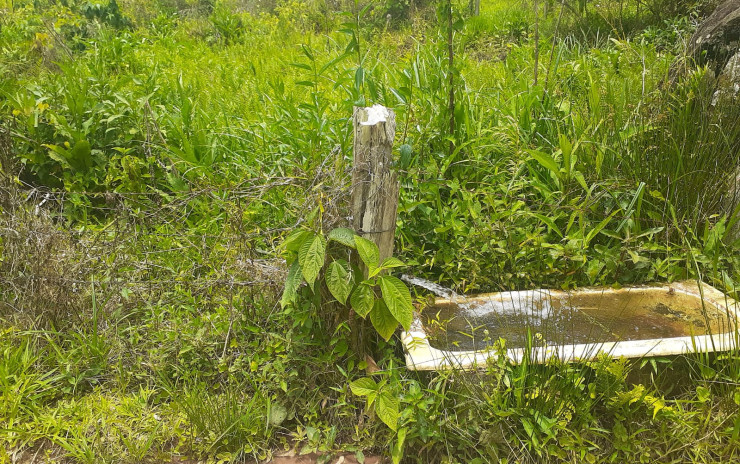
[[631, 322]]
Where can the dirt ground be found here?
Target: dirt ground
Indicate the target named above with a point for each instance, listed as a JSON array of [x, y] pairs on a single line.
[[314, 458], [39, 455]]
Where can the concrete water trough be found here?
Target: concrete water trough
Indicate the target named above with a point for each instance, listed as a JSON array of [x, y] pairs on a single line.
[[631, 322]]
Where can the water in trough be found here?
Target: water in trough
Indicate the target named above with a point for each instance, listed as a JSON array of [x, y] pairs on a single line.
[[559, 318]]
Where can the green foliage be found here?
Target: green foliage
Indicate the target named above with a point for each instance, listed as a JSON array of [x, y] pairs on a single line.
[[338, 280], [386, 402], [397, 300], [229, 25], [107, 13], [307, 256], [230, 421], [162, 149]]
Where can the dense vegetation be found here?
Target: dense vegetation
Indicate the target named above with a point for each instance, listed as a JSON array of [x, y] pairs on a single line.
[[155, 154]]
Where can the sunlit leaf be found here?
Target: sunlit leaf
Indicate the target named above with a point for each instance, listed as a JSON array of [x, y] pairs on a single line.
[[392, 262], [545, 160], [383, 320], [387, 409], [338, 281], [397, 449], [398, 300], [363, 386], [362, 299], [294, 241], [292, 282], [311, 257], [368, 251], [344, 236]]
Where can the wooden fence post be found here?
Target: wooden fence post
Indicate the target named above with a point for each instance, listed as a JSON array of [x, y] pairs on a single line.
[[374, 184], [374, 195]]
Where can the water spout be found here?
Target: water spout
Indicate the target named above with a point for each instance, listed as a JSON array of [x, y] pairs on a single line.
[[433, 287], [437, 289]]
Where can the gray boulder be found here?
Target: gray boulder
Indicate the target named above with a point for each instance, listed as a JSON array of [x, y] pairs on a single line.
[[717, 39], [728, 82]]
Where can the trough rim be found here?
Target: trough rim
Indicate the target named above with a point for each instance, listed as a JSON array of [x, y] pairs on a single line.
[[421, 356]]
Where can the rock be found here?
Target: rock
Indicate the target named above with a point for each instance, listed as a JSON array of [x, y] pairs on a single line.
[[731, 202], [726, 95], [730, 76], [728, 82], [717, 39]]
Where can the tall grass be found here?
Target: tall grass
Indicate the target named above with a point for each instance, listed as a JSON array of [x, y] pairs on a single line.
[[689, 152], [164, 161], [229, 420]]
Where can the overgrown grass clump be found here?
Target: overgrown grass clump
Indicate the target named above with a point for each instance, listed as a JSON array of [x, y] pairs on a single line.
[[154, 156]]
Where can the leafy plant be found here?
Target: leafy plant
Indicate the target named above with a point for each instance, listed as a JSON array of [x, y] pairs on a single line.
[[108, 13], [382, 396], [388, 399], [227, 419], [384, 299], [165, 165]]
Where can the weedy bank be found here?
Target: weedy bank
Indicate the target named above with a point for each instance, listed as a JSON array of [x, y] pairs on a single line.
[[155, 157]]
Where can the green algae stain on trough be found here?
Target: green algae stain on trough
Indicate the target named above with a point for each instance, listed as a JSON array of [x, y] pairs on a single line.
[[630, 322]]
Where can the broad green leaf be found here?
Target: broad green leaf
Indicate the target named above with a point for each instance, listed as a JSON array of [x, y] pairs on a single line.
[[176, 183], [703, 394], [359, 77], [387, 409], [371, 399], [368, 251], [338, 281], [546, 161], [550, 223], [81, 155], [343, 236], [388, 263], [362, 299], [566, 146], [311, 257], [363, 386], [278, 414], [397, 449], [578, 176], [292, 282], [383, 320], [392, 262], [595, 231], [294, 241], [397, 298], [528, 427], [58, 154]]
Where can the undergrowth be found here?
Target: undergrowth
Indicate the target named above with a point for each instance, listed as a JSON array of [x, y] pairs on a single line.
[[155, 155]]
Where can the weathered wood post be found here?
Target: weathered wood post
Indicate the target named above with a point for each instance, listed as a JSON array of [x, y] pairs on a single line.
[[374, 184], [374, 192]]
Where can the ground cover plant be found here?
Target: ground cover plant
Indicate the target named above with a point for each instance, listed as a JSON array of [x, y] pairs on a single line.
[[168, 167]]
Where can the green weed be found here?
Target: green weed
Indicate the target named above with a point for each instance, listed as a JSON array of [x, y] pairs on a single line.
[[156, 154]]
